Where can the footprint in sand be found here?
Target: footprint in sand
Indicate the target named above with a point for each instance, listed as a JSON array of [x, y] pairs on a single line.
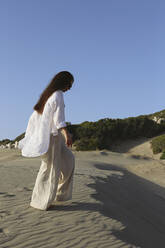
[[4, 214], [23, 189], [4, 231], [26, 189], [3, 193], [9, 195], [6, 194]]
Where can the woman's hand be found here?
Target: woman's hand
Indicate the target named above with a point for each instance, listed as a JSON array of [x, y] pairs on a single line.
[[68, 137]]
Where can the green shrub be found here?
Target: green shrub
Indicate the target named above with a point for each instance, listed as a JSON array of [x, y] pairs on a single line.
[[18, 138], [158, 144], [5, 141], [163, 155], [86, 144], [105, 132]]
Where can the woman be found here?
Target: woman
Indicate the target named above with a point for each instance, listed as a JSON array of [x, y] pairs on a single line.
[[46, 136]]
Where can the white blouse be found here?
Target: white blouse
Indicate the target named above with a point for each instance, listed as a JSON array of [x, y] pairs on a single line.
[[40, 126]]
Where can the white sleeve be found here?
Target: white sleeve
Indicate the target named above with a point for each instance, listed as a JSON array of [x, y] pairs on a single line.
[[59, 113], [30, 126], [29, 131]]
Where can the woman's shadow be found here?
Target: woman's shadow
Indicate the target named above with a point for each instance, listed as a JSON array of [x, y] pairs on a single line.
[[135, 203], [132, 201]]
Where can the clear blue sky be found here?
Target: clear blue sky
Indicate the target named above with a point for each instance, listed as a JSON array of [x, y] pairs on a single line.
[[114, 48]]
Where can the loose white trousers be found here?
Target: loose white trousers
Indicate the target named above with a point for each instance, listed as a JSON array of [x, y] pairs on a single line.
[[55, 177]]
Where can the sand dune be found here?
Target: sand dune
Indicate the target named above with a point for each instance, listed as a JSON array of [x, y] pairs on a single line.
[[118, 201]]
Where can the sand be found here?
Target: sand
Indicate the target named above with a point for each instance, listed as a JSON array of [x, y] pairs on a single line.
[[118, 201]]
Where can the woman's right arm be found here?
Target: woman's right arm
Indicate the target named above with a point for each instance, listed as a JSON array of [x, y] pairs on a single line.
[[59, 118], [67, 136]]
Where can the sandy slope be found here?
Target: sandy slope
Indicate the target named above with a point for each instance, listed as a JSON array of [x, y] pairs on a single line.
[[118, 201]]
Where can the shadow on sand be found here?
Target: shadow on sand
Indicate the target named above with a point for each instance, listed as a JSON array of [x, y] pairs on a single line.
[[132, 201], [125, 146]]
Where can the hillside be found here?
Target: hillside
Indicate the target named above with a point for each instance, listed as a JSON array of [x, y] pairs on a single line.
[[105, 132], [160, 114]]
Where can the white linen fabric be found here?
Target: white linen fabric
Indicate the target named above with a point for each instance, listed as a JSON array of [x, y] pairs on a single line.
[[54, 180], [40, 126]]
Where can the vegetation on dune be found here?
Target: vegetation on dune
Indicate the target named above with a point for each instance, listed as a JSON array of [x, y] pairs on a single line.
[[4, 141], [158, 144], [18, 138], [160, 114], [103, 133], [163, 155]]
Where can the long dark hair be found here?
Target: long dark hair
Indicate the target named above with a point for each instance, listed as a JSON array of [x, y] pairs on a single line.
[[60, 81]]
